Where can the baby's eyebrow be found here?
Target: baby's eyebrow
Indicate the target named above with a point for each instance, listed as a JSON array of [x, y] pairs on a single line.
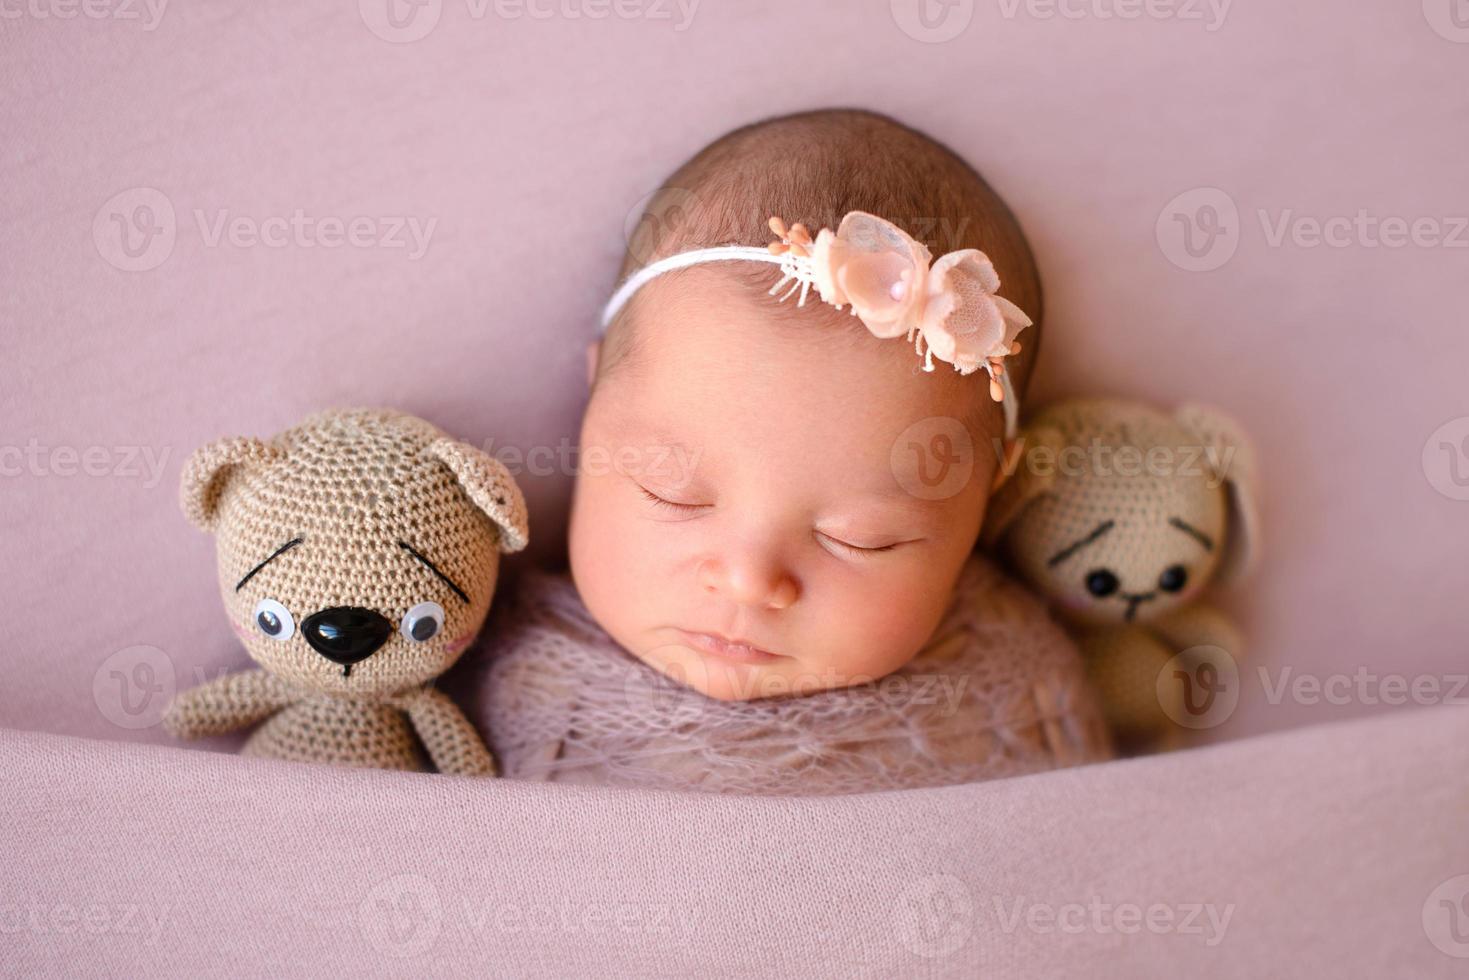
[[1076, 546]]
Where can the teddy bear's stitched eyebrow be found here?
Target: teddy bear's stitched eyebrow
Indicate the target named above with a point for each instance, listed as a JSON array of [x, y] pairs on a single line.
[[273, 556], [430, 566], [1076, 546], [1192, 532]]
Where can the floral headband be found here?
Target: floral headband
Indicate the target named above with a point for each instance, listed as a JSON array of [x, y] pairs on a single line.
[[891, 284]]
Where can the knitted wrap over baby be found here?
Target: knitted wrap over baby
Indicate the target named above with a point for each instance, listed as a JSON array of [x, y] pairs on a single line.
[[998, 691]]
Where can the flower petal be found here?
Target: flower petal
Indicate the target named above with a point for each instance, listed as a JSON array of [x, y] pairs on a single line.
[[826, 258], [962, 322], [881, 271]]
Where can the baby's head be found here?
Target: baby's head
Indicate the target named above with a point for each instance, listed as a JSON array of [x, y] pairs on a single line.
[[779, 476]]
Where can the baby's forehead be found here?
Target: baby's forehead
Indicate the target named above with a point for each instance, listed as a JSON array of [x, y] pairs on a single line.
[[737, 363], [713, 322], [899, 454]]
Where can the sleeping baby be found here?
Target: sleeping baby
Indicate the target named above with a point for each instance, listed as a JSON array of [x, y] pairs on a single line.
[[806, 389]]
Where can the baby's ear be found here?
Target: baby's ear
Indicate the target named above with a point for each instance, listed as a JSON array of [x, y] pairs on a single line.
[[209, 471], [1230, 457], [1037, 457], [490, 485], [594, 354]]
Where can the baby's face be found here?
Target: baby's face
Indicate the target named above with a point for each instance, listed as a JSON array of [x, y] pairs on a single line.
[[763, 508]]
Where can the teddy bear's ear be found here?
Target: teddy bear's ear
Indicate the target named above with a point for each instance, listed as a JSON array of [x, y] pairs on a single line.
[[490, 485], [208, 472], [1229, 455], [1033, 478]]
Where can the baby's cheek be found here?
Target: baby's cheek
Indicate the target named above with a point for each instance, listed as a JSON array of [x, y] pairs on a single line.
[[616, 561], [874, 636]]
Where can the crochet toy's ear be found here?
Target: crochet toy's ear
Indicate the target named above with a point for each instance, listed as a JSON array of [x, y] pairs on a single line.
[[208, 471], [1231, 458], [490, 485], [1034, 477]]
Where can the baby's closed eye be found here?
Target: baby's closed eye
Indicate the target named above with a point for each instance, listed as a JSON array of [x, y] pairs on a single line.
[[841, 541], [848, 547], [660, 501]]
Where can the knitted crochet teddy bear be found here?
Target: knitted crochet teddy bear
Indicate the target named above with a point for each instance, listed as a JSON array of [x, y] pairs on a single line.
[[357, 554], [1121, 515]]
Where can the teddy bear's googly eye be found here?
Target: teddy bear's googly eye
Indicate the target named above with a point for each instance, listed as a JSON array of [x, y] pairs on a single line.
[[274, 620], [423, 622]]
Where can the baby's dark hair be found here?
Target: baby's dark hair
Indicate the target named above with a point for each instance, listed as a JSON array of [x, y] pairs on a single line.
[[814, 167]]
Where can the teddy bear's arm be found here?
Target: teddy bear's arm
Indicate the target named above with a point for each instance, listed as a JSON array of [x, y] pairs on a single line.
[[452, 742], [1198, 625], [227, 703]]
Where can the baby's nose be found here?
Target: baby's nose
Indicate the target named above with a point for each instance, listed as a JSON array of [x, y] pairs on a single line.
[[748, 583]]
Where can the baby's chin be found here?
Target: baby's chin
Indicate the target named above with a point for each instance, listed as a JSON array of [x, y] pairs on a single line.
[[733, 680]]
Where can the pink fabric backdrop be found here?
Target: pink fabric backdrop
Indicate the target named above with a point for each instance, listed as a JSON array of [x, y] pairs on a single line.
[[526, 142]]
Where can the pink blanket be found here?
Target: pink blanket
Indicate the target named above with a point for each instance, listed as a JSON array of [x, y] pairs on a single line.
[[1332, 851]]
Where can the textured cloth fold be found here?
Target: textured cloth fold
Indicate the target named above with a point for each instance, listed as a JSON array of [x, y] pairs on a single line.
[[999, 690]]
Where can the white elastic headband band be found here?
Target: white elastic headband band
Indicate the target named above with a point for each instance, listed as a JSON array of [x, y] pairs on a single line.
[[727, 253]]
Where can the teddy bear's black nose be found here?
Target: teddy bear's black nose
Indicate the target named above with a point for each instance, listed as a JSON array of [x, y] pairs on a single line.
[[346, 634]]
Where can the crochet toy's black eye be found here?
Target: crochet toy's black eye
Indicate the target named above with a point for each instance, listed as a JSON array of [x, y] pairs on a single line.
[[274, 620], [1173, 579], [1101, 583], [423, 622]]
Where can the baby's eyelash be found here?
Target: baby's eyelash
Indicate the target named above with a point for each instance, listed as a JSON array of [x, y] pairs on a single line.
[[852, 548], [658, 501]]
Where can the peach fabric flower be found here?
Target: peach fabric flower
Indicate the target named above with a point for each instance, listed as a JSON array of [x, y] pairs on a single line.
[[964, 322], [893, 286], [874, 266]]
